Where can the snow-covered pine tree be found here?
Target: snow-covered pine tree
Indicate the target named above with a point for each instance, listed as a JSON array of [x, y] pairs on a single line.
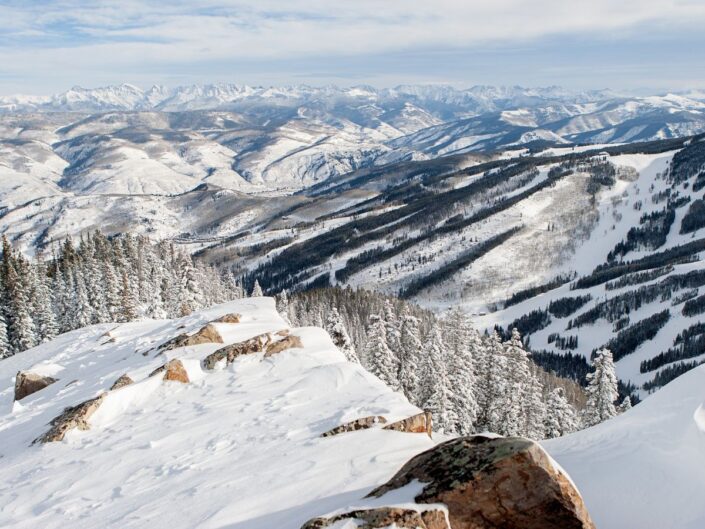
[[521, 376], [339, 335], [282, 301], [128, 308], [601, 390], [435, 386], [409, 356], [560, 418], [256, 290], [461, 343], [378, 354], [82, 310], [625, 405], [43, 305], [5, 350], [21, 327]]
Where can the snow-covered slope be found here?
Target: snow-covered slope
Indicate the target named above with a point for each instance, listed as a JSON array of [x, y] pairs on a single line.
[[644, 468], [238, 447]]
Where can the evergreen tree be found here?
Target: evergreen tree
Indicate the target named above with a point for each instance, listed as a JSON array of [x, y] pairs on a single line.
[[522, 378], [601, 390], [409, 355], [462, 342], [378, 354], [436, 386], [256, 290], [5, 350], [560, 418], [339, 335], [43, 306], [626, 405], [282, 301], [128, 310], [21, 327]]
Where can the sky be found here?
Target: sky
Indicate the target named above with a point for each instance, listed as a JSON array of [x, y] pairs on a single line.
[[48, 46]]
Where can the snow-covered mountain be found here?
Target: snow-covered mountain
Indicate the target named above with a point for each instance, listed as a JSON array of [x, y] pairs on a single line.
[[238, 446]]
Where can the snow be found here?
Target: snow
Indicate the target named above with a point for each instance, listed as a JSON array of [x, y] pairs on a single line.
[[644, 468], [236, 448]]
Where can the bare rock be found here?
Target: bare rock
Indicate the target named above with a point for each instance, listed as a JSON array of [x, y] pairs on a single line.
[[384, 517], [230, 352], [73, 417], [283, 332], [288, 342], [358, 424], [121, 382], [228, 318], [490, 483], [206, 334], [27, 383], [419, 423], [173, 370]]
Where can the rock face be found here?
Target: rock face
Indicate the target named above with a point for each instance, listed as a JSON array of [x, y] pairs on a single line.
[[73, 417], [27, 383], [262, 343], [228, 318], [358, 424], [121, 382], [173, 370], [419, 423], [206, 334], [384, 517], [490, 483]]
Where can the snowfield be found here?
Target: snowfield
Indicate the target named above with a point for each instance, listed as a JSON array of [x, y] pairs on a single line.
[[238, 447], [644, 468]]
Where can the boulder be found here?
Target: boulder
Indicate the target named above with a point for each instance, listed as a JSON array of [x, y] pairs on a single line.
[[27, 383], [419, 423], [384, 517], [121, 382], [206, 334], [489, 483], [173, 370], [228, 318], [70, 418], [358, 424], [288, 342]]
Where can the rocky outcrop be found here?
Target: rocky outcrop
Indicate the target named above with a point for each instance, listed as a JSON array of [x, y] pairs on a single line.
[[489, 483], [262, 343], [206, 334], [27, 383], [121, 382], [419, 423], [173, 370], [385, 517], [362, 423], [228, 318], [73, 417], [288, 342]]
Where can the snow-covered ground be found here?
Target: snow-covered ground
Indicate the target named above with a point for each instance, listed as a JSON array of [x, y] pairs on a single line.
[[644, 468], [238, 447]]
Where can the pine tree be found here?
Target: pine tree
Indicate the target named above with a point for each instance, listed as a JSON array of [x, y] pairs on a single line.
[[409, 355], [21, 327], [560, 418], [43, 306], [5, 350], [339, 335], [378, 354], [521, 376], [256, 290], [436, 386], [461, 344], [128, 310], [626, 405], [83, 312], [601, 390], [282, 301]]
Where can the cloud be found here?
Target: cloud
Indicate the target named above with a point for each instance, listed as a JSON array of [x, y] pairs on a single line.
[[138, 35]]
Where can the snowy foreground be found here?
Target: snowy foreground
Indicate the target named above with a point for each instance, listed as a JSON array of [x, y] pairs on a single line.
[[240, 447], [236, 448]]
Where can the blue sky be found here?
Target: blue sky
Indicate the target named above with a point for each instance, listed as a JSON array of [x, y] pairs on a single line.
[[636, 45]]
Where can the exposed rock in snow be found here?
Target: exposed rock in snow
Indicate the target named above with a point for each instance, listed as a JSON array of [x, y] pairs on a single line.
[[27, 383], [358, 424], [206, 334], [228, 318], [384, 517], [121, 382], [173, 370], [488, 482], [288, 342], [419, 423], [72, 417]]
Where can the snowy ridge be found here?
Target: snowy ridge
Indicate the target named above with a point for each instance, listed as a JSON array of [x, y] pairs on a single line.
[[238, 447]]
